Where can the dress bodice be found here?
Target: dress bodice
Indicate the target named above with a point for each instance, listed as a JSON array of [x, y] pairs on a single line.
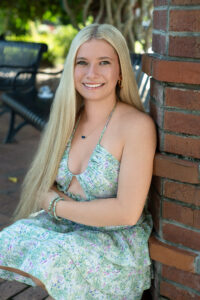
[[77, 260], [100, 178]]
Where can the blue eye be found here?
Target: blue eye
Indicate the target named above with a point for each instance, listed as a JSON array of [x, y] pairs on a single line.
[[81, 62], [104, 62]]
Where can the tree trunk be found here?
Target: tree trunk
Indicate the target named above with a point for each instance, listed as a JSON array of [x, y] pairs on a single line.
[[127, 15]]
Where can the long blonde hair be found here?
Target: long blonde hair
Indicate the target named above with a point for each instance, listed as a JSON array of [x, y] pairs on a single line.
[[66, 104]]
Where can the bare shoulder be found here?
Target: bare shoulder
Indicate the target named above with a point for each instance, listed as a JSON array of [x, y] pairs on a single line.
[[136, 125]]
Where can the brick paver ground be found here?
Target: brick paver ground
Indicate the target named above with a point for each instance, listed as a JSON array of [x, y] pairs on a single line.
[[14, 161]]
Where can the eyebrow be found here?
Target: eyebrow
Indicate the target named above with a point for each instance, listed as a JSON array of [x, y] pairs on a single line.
[[99, 58], [81, 58], [105, 57]]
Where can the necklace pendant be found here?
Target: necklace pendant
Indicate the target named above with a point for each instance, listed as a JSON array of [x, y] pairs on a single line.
[[83, 137]]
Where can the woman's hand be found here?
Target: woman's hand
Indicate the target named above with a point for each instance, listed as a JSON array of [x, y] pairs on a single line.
[[61, 194], [46, 199]]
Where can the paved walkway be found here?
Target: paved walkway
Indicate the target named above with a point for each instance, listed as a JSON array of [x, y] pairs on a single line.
[[14, 161]]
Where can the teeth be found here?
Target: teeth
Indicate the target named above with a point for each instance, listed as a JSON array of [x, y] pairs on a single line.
[[93, 85]]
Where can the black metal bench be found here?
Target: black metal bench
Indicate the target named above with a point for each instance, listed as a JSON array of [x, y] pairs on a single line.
[[29, 107], [22, 99], [142, 79], [19, 63]]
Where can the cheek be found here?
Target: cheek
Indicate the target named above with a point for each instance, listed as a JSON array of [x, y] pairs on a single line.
[[77, 76], [112, 74], [116, 73], [115, 76]]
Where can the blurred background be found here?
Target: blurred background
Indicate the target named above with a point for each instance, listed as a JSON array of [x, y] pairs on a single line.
[[56, 22]]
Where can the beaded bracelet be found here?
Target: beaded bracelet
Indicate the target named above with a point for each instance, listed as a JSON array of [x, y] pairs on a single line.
[[51, 204], [54, 208]]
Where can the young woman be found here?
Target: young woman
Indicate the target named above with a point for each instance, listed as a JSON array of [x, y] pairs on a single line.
[[81, 227]]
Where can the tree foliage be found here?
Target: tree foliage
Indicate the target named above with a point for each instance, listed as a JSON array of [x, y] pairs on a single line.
[[132, 17], [16, 14]]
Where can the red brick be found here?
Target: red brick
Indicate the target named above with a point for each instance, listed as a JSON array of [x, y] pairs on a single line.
[[160, 137], [183, 46], [182, 236], [147, 64], [184, 20], [159, 43], [172, 71], [182, 214], [160, 19], [182, 122], [157, 183], [184, 2], [160, 2], [172, 256], [182, 192], [182, 145], [176, 293], [157, 113], [182, 98], [174, 168], [157, 91], [182, 277], [154, 207], [197, 218]]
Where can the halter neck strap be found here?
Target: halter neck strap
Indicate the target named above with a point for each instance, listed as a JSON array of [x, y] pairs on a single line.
[[107, 122], [75, 127], [104, 129]]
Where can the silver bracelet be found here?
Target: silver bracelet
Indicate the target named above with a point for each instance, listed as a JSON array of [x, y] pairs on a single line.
[[54, 208], [51, 205]]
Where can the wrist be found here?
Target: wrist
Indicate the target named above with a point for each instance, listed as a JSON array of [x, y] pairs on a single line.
[[46, 199], [52, 206]]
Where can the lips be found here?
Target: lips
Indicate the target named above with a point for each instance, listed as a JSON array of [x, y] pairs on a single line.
[[93, 85]]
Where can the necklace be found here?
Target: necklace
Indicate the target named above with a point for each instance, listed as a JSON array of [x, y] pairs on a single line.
[[109, 116], [84, 136]]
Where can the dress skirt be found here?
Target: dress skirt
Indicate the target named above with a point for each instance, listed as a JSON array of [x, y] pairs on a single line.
[[79, 262]]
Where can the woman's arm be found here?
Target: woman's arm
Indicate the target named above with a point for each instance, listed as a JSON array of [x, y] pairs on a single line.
[[133, 186]]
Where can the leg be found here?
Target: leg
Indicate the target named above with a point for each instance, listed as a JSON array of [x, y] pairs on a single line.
[[11, 128], [36, 280], [12, 131]]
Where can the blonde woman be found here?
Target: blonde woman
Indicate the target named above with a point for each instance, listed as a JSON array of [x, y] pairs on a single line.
[[81, 228]]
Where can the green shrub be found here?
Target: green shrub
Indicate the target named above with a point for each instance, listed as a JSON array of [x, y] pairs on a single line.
[[58, 38]]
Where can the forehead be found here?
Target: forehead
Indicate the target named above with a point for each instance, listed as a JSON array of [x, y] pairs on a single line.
[[96, 48]]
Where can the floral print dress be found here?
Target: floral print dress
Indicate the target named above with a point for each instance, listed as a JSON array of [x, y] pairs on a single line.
[[75, 261]]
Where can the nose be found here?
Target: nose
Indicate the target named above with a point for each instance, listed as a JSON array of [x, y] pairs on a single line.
[[92, 70]]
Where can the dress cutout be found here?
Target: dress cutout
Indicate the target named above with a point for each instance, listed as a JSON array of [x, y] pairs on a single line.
[[76, 261]]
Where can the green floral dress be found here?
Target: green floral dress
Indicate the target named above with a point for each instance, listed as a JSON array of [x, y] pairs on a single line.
[[75, 261]]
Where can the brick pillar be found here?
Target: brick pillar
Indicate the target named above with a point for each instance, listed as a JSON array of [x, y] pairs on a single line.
[[175, 107]]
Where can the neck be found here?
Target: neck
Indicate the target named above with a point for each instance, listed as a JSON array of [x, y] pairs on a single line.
[[97, 110]]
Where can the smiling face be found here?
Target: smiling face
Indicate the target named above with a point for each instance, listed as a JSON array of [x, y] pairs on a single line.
[[96, 70]]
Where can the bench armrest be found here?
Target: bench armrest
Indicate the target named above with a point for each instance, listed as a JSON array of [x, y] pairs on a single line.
[[38, 72], [32, 72], [50, 73]]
